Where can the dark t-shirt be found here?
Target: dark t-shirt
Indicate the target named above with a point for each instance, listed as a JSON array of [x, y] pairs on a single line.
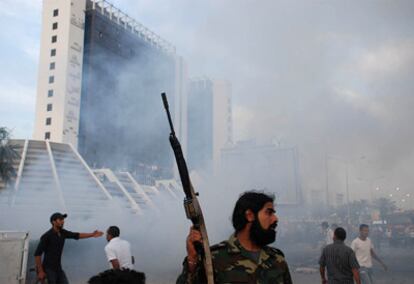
[[51, 244], [339, 260]]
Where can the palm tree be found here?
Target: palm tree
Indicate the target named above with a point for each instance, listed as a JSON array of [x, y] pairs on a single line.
[[8, 154], [385, 207]]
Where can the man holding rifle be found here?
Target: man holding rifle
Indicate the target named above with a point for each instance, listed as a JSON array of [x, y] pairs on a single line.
[[246, 256]]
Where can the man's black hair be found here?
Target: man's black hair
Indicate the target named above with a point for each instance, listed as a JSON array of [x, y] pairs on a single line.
[[252, 200], [117, 276], [113, 231], [363, 226], [340, 233]]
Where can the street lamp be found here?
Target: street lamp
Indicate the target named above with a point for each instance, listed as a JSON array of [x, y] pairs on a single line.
[[346, 183]]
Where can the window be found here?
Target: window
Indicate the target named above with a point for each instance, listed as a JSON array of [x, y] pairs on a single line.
[[55, 12], [47, 135], [52, 66], [49, 107], [54, 26], [53, 52], [51, 79], [50, 93], [48, 121], [54, 38]]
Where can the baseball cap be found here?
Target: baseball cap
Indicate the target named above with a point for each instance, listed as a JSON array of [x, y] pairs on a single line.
[[57, 215]]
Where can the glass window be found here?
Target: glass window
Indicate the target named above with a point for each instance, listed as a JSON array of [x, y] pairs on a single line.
[[52, 66], [53, 52], [54, 38], [48, 121], [47, 135], [55, 26], [55, 12], [50, 93], [51, 79], [49, 107]]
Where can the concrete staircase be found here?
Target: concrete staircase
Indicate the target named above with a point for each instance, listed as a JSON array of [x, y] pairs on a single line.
[[54, 177], [81, 190]]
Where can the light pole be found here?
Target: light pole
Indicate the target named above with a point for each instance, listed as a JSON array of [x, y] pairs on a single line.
[[346, 163]]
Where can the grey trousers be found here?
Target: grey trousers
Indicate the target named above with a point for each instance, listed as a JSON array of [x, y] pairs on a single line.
[[365, 274]]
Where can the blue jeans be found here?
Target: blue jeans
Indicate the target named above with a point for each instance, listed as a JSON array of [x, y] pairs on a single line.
[[365, 274], [56, 277]]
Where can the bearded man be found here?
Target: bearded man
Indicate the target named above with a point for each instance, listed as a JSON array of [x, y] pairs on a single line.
[[246, 256]]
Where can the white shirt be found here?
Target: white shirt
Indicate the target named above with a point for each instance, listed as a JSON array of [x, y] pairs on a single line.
[[362, 251], [329, 236], [121, 250]]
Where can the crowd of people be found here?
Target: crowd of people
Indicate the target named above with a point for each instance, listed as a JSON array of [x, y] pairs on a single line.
[[246, 257]]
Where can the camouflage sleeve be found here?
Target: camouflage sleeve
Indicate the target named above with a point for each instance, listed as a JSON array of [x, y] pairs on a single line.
[[198, 277], [287, 279]]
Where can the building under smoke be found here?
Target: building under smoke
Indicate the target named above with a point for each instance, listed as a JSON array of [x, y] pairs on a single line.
[[210, 125], [271, 168], [100, 78]]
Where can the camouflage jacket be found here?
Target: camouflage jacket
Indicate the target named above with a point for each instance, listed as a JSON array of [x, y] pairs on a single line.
[[232, 264]]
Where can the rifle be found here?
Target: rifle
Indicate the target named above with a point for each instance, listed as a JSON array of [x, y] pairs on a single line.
[[191, 206]]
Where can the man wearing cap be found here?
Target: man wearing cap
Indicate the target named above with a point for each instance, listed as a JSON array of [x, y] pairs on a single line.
[[51, 245]]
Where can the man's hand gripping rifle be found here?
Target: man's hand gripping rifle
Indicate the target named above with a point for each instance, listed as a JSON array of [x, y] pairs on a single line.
[[191, 205]]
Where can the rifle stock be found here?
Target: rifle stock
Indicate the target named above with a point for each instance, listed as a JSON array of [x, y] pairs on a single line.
[[191, 205]]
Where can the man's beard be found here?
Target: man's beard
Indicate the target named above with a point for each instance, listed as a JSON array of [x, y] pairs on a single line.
[[260, 236]]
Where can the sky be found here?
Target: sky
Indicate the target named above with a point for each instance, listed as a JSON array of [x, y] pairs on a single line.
[[333, 78]]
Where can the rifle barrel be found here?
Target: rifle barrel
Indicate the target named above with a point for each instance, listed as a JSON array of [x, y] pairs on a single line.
[[167, 109]]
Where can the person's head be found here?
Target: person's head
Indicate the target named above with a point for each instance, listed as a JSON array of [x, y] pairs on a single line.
[[334, 226], [254, 211], [363, 231], [118, 276], [325, 225], [112, 232], [340, 234], [58, 220]]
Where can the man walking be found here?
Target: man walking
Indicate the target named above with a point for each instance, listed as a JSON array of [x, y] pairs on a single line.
[[246, 256], [327, 234], [51, 247], [364, 251], [340, 261], [118, 251]]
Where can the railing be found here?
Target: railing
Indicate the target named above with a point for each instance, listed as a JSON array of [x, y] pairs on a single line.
[[117, 16]]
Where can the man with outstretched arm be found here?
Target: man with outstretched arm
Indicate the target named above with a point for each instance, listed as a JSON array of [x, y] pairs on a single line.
[[364, 252], [51, 247], [246, 256]]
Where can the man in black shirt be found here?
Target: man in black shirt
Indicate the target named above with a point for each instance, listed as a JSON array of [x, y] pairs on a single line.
[[340, 261], [51, 245]]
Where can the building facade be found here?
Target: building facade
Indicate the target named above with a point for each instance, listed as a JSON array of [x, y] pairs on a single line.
[[100, 78], [210, 125], [274, 169]]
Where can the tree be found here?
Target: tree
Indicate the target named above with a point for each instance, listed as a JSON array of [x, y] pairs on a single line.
[[8, 154], [385, 206], [356, 211]]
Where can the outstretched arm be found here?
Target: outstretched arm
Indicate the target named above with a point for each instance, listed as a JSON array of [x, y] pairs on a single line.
[[94, 234], [376, 257]]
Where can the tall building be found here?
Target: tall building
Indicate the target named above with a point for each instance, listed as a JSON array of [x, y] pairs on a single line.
[[100, 78], [246, 165], [209, 122]]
